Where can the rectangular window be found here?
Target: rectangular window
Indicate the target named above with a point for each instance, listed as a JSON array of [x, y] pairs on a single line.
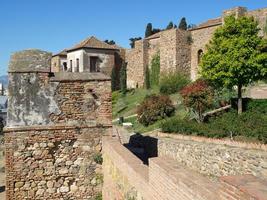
[[93, 64], [77, 65], [71, 65]]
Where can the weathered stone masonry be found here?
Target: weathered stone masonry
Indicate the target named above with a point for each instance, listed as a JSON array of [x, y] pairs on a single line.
[[180, 50], [54, 130]]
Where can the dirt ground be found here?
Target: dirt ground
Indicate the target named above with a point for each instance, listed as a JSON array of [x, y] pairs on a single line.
[[2, 172]]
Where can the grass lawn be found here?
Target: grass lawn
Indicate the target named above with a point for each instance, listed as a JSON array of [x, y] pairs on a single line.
[[127, 105]]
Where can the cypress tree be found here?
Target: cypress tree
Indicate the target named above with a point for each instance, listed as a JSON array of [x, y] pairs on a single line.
[[183, 24], [147, 78], [170, 26], [148, 30], [113, 79], [123, 79]]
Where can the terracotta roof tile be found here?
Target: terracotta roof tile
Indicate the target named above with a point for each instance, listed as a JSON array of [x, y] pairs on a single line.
[[93, 43], [61, 53]]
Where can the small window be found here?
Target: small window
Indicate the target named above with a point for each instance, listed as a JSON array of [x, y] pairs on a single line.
[[77, 65], [199, 55], [93, 64], [71, 65], [65, 66]]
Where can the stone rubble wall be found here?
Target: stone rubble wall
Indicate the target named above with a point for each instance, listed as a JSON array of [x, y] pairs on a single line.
[[135, 65], [53, 137], [126, 177], [214, 159], [53, 163]]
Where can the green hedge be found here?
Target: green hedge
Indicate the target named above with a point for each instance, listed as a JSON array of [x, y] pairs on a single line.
[[252, 125], [172, 83]]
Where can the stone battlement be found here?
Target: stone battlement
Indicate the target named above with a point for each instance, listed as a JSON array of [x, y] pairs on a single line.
[[54, 130]]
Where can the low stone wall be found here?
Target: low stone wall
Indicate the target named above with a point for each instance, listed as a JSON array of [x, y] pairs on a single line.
[[126, 177], [53, 163], [214, 157]]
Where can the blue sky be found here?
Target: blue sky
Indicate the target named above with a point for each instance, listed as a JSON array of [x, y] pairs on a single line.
[[53, 25]]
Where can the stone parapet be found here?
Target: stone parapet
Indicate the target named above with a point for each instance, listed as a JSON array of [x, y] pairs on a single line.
[[126, 177]]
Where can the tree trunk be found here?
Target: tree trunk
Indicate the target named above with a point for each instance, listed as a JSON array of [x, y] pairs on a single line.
[[239, 101]]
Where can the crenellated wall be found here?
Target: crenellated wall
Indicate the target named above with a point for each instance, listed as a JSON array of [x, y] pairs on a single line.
[[54, 130]]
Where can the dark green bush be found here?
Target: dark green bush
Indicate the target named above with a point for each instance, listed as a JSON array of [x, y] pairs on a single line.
[[257, 105], [154, 108], [172, 83], [251, 125], [98, 158], [155, 70]]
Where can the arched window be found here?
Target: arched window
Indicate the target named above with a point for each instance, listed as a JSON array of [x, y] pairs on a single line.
[[199, 55]]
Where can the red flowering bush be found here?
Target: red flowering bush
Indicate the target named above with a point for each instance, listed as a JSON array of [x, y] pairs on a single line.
[[198, 96], [154, 108]]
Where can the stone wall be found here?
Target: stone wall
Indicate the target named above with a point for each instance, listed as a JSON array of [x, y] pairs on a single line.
[[214, 157], [54, 130], [261, 16], [174, 50], [135, 65], [200, 38], [53, 162], [126, 177], [179, 49]]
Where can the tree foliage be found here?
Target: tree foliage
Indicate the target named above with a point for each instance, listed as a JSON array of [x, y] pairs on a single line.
[[155, 70], [147, 78], [183, 24], [236, 55], [172, 82], [170, 26], [113, 79], [154, 108], [133, 40], [123, 79], [156, 30], [148, 30], [110, 42], [198, 96]]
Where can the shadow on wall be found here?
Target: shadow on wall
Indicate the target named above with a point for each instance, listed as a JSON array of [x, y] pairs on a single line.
[[144, 147]]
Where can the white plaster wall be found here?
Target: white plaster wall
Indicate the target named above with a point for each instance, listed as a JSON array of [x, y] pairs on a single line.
[[73, 56]]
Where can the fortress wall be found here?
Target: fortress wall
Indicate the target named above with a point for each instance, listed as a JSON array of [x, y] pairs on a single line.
[[213, 157], [135, 65], [54, 130], [201, 38], [153, 49], [126, 177], [183, 52], [261, 16], [168, 51]]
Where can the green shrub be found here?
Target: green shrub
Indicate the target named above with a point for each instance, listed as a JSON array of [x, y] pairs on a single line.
[[123, 79], [172, 82], [198, 96], [115, 97], [98, 196], [257, 105], [147, 79], [223, 97], [98, 158], [154, 108], [155, 70], [251, 125]]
